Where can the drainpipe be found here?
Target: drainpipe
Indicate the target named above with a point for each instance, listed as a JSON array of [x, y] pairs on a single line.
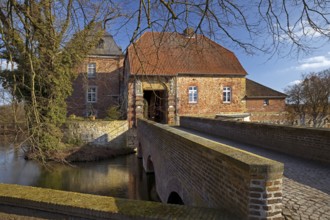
[[176, 101]]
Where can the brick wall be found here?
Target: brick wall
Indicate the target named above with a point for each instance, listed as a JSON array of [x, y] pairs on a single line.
[[210, 89], [102, 133], [208, 174], [306, 143], [273, 113], [257, 105], [107, 80]]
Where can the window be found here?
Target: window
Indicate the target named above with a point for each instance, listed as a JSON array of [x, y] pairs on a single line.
[[91, 70], [92, 94], [100, 44], [192, 94], [226, 94], [266, 101]]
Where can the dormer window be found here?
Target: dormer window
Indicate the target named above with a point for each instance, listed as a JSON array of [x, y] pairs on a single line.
[[189, 32], [100, 44]]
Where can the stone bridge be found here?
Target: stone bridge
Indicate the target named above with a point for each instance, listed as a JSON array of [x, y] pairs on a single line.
[[195, 171]]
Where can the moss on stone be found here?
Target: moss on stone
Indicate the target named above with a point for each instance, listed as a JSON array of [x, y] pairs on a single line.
[[59, 201]]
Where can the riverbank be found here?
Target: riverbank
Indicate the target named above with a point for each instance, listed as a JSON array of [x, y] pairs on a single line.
[[91, 153], [85, 153]]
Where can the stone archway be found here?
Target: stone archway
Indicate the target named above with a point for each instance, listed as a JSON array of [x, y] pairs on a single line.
[[155, 103], [175, 198], [154, 99]]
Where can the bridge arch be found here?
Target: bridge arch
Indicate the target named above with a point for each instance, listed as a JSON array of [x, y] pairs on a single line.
[[150, 165], [175, 193], [175, 198], [139, 151]]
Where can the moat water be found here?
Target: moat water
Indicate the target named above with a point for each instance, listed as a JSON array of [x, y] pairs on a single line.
[[122, 177]]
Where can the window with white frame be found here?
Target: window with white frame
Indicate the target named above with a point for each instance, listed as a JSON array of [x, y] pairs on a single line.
[[226, 94], [193, 94], [92, 94], [91, 70]]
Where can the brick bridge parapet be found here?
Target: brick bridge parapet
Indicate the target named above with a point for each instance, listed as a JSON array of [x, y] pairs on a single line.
[[308, 143], [26, 202], [208, 174]]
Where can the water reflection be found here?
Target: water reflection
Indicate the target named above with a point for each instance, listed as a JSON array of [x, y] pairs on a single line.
[[121, 177]]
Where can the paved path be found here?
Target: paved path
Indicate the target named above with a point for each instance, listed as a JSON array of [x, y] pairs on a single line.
[[306, 184]]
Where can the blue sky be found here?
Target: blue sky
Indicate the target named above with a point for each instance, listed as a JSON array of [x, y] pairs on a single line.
[[279, 72], [276, 71]]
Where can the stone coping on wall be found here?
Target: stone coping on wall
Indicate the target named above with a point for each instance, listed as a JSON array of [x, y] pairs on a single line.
[[85, 206], [289, 127]]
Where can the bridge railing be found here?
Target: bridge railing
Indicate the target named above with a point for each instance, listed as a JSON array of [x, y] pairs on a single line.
[[208, 174], [308, 143]]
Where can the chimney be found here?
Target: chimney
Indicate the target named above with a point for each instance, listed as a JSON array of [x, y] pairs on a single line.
[[189, 32]]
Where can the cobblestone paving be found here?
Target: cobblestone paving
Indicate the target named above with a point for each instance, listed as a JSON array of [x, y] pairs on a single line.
[[304, 202], [306, 184]]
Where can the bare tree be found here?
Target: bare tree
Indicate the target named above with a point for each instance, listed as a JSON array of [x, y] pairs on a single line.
[[310, 98], [297, 102], [257, 25], [45, 40], [317, 93]]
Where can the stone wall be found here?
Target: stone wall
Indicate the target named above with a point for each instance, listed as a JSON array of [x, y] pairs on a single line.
[[20, 202], [306, 143], [208, 174], [269, 117], [107, 81], [210, 95], [102, 133]]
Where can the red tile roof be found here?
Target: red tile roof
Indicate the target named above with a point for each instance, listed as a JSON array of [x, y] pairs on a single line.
[[255, 90], [156, 53]]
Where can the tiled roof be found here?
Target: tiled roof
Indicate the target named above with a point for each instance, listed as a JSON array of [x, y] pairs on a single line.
[[156, 53], [256, 90]]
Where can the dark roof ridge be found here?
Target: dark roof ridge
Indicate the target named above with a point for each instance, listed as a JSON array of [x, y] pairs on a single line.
[[279, 94]]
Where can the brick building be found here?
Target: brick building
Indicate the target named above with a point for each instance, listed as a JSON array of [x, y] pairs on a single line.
[[97, 87], [167, 75], [264, 104]]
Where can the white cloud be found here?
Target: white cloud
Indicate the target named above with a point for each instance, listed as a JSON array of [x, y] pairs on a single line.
[[314, 63], [307, 31], [295, 82], [304, 29]]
